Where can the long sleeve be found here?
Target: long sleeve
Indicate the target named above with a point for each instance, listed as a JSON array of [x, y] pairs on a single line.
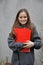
[[15, 46], [36, 39]]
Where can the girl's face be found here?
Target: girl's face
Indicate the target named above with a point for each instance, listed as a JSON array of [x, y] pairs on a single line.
[[22, 17]]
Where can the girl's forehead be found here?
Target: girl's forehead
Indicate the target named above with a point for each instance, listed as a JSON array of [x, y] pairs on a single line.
[[23, 13]]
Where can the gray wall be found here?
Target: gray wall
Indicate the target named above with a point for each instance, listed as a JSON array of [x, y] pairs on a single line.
[[8, 11]]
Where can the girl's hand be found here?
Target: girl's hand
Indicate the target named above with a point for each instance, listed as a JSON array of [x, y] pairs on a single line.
[[29, 44]]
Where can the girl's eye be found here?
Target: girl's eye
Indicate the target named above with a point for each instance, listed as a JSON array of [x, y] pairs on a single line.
[[21, 17], [25, 17]]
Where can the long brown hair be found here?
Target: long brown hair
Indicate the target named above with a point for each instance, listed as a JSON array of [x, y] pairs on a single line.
[[16, 24]]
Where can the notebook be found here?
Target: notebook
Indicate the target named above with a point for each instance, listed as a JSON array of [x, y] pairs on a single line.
[[22, 35]]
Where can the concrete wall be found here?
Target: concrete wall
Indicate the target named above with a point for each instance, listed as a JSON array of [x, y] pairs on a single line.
[[8, 11]]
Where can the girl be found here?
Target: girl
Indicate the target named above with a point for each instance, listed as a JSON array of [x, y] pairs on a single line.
[[23, 39]]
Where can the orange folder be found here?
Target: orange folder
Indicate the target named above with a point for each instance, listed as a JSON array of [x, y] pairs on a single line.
[[22, 35]]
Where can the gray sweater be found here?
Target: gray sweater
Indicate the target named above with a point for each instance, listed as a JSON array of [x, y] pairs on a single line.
[[21, 58]]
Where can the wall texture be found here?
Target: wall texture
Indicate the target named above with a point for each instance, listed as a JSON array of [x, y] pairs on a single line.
[[8, 11]]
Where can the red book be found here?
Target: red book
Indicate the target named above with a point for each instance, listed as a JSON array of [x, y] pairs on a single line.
[[22, 35]]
